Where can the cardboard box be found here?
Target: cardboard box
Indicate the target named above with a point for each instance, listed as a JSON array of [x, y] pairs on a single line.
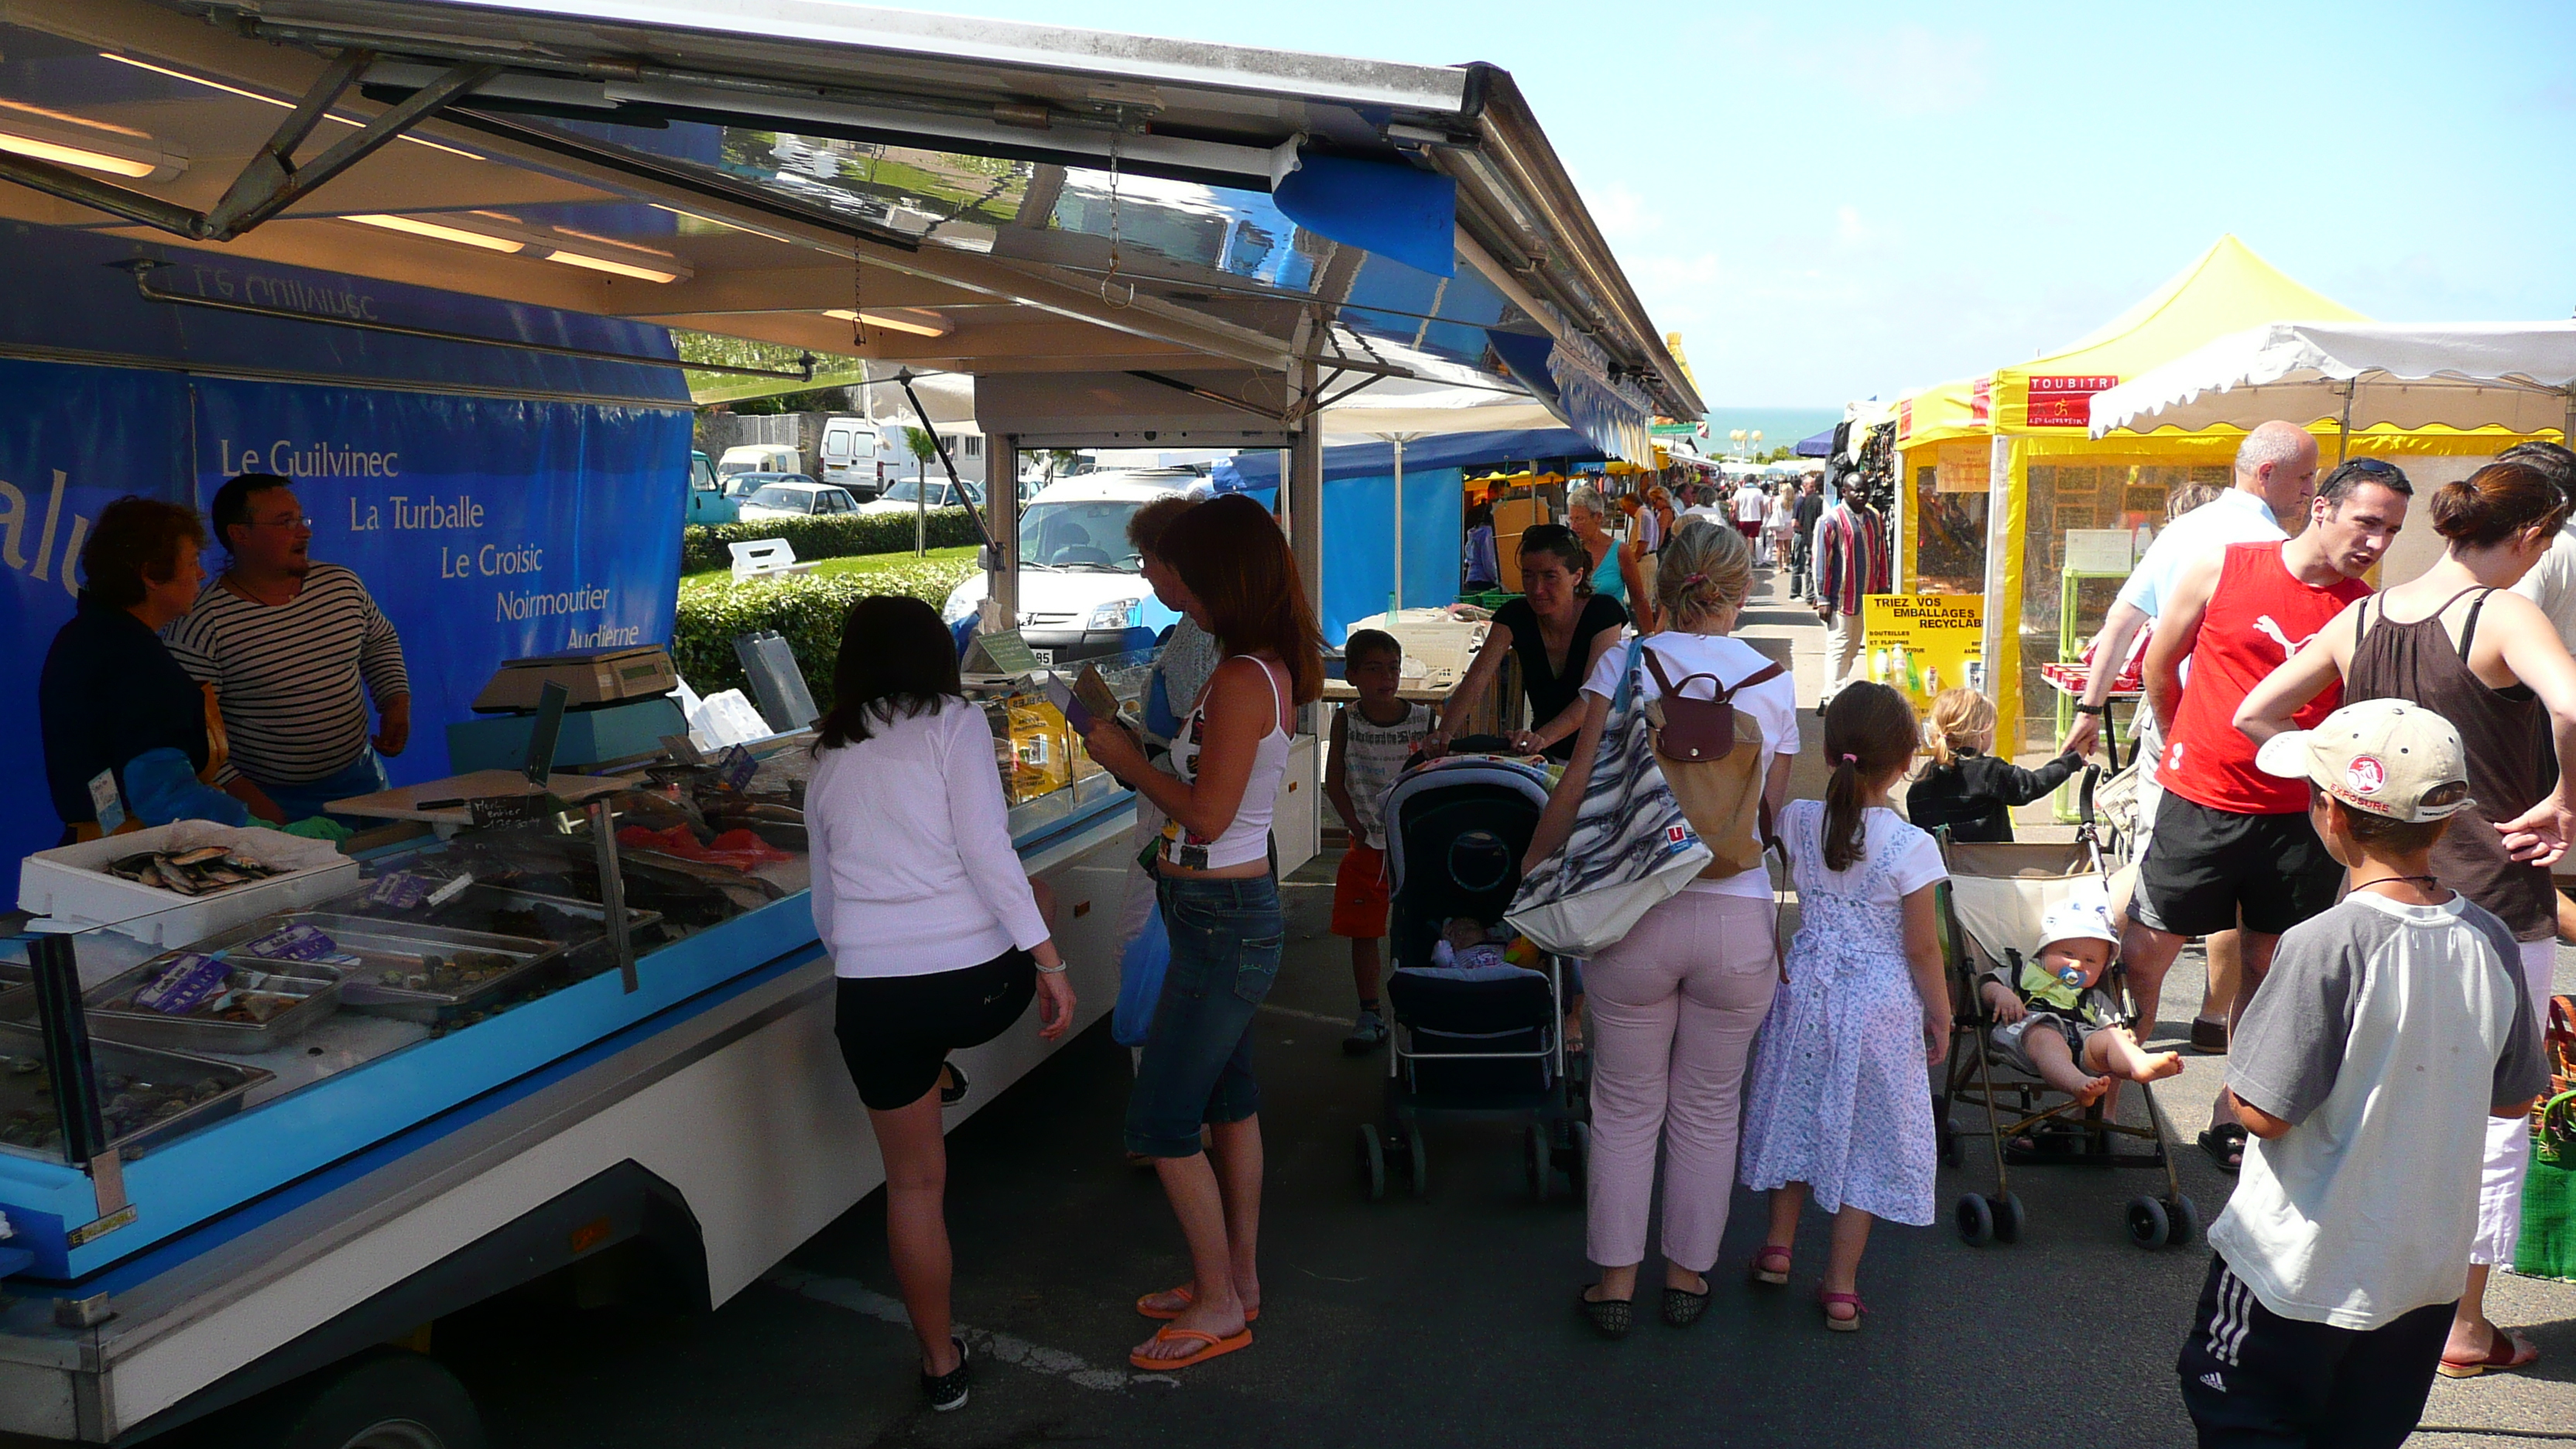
[[1512, 518]]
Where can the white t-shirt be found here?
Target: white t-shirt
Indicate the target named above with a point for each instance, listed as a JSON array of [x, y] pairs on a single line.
[[1773, 704], [2383, 1035], [1916, 856], [2552, 584], [911, 849], [2234, 516], [1749, 505]]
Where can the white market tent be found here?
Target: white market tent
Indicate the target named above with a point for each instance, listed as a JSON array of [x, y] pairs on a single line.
[[2517, 376]]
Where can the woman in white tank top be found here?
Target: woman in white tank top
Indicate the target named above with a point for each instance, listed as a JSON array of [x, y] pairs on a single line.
[[1220, 904]]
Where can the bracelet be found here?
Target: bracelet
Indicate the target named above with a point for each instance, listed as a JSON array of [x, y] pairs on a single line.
[[1046, 970]]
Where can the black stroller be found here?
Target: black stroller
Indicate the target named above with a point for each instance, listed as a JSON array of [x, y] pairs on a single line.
[[1467, 1049]]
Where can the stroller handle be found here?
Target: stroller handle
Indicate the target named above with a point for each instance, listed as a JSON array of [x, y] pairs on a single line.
[[2084, 794], [1466, 745]]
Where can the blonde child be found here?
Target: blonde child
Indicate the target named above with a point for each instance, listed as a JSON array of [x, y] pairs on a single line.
[[2054, 1020], [1966, 788], [1841, 1102]]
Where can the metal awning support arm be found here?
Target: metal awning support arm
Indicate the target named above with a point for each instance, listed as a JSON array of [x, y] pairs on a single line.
[[903, 379], [272, 181]]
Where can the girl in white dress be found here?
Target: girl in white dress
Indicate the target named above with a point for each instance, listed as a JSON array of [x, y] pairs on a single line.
[[1841, 1103]]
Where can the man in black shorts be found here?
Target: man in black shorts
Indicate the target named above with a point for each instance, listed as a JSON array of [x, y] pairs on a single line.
[[2232, 843]]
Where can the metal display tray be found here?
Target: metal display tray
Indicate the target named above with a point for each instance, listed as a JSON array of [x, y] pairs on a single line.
[[26, 1092], [317, 984], [382, 945], [587, 955]]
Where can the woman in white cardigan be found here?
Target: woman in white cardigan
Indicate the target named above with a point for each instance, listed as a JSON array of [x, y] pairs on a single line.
[[936, 932]]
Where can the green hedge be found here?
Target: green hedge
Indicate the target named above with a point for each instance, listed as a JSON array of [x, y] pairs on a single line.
[[806, 611], [702, 546]]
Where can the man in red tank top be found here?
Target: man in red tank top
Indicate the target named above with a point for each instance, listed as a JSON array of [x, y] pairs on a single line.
[[2233, 845]]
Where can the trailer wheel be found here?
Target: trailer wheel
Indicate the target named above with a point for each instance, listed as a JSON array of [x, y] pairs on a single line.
[[386, 1400]]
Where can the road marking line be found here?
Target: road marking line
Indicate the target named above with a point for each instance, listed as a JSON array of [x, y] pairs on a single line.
[[1308, 1015], [999, 1347]]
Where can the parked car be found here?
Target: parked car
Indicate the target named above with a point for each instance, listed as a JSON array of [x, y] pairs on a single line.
[[905, 495], [743, 485], [1081, 586], [759, 458], [798, 498], [707, 500]]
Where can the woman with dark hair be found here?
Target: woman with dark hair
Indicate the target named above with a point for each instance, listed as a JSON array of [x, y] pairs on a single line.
[[936, 934], [1220, 903], [2458, 642], [112, 700], [1559, 627]]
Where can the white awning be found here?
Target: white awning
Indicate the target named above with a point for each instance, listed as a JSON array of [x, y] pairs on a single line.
[[2515, 375]]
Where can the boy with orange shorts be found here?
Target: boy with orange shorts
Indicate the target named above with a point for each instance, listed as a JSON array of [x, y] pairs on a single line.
[[1372, 737]]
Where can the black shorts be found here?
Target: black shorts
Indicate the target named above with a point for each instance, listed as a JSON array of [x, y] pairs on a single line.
[[2252, 1379], [896, 1030], [2205, 867]]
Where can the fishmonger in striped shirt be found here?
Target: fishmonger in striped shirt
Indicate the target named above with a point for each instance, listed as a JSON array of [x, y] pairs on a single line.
[[295, 649]]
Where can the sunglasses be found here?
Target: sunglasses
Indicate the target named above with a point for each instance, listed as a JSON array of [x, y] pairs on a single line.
[[2369, 468]]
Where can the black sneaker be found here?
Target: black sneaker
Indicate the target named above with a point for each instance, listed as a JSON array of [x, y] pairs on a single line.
[[947, 1391]]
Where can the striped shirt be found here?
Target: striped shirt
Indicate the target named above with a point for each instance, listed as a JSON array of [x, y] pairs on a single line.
[[287, 676], [1851, 558], [1374, 755]]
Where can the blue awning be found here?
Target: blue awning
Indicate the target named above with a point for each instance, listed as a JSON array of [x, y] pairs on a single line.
[[1246, 471], [1391, 210], [1819, 446]]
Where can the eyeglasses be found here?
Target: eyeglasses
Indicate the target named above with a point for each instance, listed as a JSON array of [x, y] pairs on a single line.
[[279, 522]]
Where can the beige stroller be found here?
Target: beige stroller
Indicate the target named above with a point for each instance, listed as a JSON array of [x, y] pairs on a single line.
[[1991, 908]]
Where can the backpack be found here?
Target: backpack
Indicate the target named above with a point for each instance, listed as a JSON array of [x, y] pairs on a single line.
[[1713, 759]]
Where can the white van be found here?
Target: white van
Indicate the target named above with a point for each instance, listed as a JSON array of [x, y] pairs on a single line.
[[861, 455], [1081, 587], [758, 458]]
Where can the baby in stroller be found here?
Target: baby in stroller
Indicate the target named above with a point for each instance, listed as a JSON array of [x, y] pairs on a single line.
[[1469, 951], [2054, 1020]]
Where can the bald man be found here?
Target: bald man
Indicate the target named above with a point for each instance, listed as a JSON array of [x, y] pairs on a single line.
[[2276, 474]]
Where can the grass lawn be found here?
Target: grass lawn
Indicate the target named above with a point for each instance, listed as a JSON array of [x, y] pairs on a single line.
[[957, 561]]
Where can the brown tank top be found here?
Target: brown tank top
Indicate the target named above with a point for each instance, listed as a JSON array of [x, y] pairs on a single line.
[[2505, 732]]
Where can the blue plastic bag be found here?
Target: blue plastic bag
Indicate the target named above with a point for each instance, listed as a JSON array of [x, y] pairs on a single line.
[[1140, 983]]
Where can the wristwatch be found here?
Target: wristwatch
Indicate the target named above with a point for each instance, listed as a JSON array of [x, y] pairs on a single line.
[[2092, 709]]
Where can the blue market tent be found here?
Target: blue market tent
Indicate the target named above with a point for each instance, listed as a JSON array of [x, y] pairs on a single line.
[[1359, 511], [1819, 446]]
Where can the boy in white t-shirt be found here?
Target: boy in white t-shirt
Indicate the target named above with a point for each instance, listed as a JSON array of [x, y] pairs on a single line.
[[1372, 738], [2389, 1029]]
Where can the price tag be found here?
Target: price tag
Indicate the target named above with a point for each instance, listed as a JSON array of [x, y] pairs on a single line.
[[508, 809], [1008, 651], [736, 768], [105, 803], [451, 890]]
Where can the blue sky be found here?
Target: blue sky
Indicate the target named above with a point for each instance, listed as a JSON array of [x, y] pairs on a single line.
[[1838, 200]]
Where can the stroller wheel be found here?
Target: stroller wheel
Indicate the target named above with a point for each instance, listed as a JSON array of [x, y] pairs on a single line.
[[1580, 1134], [1975, 1220], [2008, 1218], [1950, 1154], [1421, 1162], [1542, 1171], [2182, 1222], [2148, 1226], [1372, 1163]]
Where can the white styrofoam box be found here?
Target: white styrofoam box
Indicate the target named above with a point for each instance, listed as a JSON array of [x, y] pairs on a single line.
[[70, 883]]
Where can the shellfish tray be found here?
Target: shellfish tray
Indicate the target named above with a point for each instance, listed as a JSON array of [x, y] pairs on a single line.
[[427, 973], [145, 1095], [259, 1006]]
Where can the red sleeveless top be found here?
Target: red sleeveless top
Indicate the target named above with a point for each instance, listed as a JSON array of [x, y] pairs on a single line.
[[2258, 616]]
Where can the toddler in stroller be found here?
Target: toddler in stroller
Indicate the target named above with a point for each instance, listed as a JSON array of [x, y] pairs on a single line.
[[2054, 1020], [1474, 1036]]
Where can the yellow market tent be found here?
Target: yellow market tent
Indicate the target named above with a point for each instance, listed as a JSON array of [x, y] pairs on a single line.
[[2041, 475]]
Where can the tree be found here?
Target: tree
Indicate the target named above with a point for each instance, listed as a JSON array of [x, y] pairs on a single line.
[[924, 448]]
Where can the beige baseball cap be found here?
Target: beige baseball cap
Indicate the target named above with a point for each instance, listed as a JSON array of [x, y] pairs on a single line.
[[2385, 756]]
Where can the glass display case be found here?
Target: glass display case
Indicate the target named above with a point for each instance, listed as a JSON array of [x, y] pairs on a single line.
[[1048, 778]]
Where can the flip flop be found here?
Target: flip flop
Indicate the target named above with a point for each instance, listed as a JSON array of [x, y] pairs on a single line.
[[1215, 1346], [2225, 1144], [1189, 1299], [2507, 1351]]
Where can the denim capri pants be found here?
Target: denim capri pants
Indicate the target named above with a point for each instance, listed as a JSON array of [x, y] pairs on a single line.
[[1197, 1064]]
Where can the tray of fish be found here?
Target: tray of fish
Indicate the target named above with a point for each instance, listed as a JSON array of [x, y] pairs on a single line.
[[137, 882], [425, 973], [233, 1004], [146, 1095], [580, 926]]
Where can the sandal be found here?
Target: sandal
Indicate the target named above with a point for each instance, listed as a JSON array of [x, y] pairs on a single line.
[[2225, 1144], [1826, 1301], [1767, 1275], [2507, 1351], [2209, 1035], [1682, 1307], [1213, 1347], [1189, 1298], [1610, 1316]]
